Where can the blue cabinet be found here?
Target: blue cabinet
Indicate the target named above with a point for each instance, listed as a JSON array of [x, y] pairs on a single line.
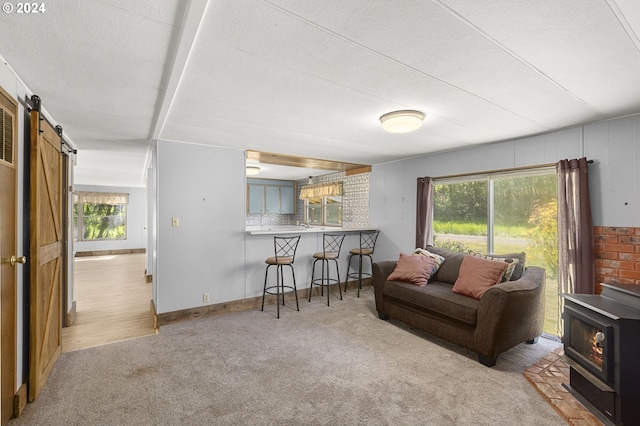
[[287, 199], [271, 196], [256, 199]]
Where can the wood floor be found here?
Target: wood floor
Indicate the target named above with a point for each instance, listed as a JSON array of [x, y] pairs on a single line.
[[112, 301]]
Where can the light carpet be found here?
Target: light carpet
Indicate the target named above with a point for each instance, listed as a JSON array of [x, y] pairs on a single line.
[[337, 365]]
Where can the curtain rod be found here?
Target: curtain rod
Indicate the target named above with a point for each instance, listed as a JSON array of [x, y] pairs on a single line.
[[539, 166]]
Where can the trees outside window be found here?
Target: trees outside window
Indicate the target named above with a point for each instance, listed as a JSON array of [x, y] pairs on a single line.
[[102, 216], [324, 210]]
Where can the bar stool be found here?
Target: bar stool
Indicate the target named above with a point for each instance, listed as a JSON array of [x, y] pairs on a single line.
[[367, 245], [331, 245], [285, 254]]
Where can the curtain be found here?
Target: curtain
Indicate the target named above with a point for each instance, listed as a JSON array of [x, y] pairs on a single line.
[[101, 197], [576, 263], [424, 212], [321, 190]]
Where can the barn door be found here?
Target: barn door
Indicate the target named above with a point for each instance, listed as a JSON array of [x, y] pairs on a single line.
[[46, 261]]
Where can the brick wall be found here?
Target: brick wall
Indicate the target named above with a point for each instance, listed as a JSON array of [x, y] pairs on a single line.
[[617, 255]]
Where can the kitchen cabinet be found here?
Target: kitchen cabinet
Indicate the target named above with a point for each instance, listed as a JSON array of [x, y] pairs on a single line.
[[271, 196], [256, 198], [287, 199], [272, 199]]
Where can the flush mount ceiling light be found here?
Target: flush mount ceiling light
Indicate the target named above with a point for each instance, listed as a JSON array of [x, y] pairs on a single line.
[[252, 170], [402, 121]]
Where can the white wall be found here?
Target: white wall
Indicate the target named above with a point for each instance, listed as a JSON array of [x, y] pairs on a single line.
[[136, 220], [614, 177], [204, 187], [614, 145]]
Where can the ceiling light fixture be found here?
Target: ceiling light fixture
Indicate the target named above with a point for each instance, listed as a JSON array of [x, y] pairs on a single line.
[[253, 170], [402, 121]]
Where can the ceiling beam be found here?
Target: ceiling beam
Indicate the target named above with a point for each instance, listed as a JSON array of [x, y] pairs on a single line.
[[192, 18], [306, 162]]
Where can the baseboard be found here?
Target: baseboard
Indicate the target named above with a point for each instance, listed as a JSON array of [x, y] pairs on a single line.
[[71, 315], [154, 314], [20, 400], [108, 252], [241, 305]]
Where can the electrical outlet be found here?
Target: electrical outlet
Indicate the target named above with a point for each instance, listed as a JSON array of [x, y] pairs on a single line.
[[205, 298], [175, 221]]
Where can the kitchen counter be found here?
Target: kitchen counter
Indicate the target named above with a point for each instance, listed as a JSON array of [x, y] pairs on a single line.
[[298, 229]]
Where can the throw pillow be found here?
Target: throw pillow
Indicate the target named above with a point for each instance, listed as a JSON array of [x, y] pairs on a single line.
[[413, 269], [477, 275], [519, 268], [512, 263], [436, 257], [450, 268]]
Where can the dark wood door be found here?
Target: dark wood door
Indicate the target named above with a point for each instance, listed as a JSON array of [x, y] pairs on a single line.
[[8, 247], [46, 253]]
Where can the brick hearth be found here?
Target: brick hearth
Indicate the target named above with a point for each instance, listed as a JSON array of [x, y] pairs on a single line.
[[548, 376]]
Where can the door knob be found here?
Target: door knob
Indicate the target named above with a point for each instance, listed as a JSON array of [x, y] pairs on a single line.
[[14, 259]]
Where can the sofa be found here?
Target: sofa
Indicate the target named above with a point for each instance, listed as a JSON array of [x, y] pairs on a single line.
[[504, 315]]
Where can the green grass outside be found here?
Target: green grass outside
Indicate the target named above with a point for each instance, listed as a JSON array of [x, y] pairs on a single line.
[[463, 228]]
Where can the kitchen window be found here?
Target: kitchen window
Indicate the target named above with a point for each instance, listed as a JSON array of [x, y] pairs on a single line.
[[323, 204], [324, 211]]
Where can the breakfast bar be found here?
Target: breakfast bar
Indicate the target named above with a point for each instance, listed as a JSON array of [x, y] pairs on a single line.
[[259, 246]]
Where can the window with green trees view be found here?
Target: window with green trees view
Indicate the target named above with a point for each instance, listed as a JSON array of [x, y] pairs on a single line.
[[324, 211], [503, 213], [99, 216]]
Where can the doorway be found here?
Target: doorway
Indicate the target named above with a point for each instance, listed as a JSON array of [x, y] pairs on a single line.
[[113, 301]]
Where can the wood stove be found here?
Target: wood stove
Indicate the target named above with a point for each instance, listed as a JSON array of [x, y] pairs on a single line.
[[602, 343]]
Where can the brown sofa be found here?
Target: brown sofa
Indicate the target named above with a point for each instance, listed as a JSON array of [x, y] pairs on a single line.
[[508, 314]]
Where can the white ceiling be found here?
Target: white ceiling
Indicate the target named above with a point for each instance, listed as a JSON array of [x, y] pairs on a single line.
[[311, 78]]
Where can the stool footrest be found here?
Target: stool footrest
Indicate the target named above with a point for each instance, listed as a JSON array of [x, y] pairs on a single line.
[[326, 281], [269, 290], [357, 276]]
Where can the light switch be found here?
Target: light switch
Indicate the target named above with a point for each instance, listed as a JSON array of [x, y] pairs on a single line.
[[175, 221]]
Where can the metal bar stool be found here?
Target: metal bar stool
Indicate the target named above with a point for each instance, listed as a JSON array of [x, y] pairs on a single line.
[[331, 245], [285, 254], [367, 245]]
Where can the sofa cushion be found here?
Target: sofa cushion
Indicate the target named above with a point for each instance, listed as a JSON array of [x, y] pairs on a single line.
[[436, 297], [413, 269], [511, 263], [436, 257], [477, 275], [518, 268], [450, 268]]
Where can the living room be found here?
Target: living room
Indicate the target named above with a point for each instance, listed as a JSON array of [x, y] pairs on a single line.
[[187, 148]]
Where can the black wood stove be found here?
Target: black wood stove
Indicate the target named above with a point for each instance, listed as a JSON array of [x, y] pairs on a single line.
[[602, 344]]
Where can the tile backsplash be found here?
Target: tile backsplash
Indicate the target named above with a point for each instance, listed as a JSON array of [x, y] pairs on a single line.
[[355, 202]]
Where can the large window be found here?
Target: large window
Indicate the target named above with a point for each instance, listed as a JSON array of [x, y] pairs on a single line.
[[503, 213], [99, 216]]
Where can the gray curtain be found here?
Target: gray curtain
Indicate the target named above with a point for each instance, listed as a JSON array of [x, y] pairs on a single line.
[[424, 212], [576, 263]]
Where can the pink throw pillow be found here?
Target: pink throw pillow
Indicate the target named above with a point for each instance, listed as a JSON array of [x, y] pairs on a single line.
[[413, 269], [477, 275]]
